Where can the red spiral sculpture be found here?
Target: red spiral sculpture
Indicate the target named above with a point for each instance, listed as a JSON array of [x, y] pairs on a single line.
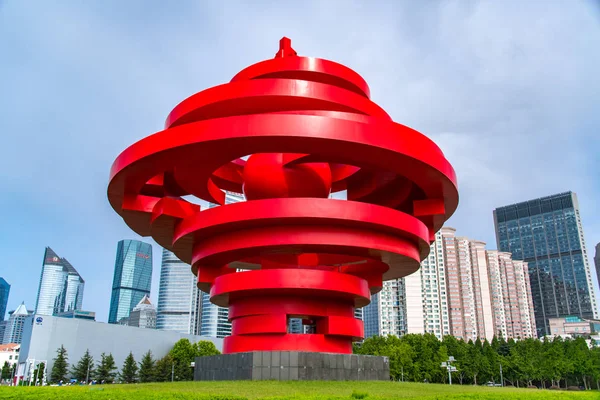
[[289, 251]]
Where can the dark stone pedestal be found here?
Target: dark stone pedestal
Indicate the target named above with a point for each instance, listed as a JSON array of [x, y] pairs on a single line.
[[292, 366]]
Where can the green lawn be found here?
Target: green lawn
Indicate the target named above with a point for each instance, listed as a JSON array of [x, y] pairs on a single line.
[[284, 390]]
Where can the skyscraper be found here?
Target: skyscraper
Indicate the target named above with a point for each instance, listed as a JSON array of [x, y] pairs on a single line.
[[597, 261], [132, 278], [547, 234], [4, 292], [13, 331], [177, 296], [461, 290], [61, 286]]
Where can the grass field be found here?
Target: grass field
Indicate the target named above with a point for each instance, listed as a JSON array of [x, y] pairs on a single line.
[[283, 390]]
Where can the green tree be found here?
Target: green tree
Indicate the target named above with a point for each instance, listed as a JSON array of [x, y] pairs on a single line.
[[6, 371], [183, 353], [84, 369], [595, 354], [38, 374], [129, 370], [399, 352], [555, 365], [147, 368], [527, 357], [491, 363], [162, 369], [60, 366], [205, 348], [579, 353], [106, 371], [457, 348]]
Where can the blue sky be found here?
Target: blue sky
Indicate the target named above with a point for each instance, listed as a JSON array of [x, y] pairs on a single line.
[[509, 90]]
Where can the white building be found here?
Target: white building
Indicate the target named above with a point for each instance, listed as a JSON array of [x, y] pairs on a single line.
[[9, 353], [43, 335], [143, 315]]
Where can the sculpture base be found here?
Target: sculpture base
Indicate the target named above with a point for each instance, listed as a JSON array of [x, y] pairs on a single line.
[[291, 366]]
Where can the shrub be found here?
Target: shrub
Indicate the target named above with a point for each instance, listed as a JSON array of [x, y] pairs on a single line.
[[359, 395]]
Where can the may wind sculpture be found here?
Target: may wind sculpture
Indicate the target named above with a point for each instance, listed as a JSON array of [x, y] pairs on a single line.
[[309, 129]]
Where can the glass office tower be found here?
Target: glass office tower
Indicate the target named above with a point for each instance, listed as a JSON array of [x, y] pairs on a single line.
[[4, 291], [61, 286], [132, 279], [547, 233]]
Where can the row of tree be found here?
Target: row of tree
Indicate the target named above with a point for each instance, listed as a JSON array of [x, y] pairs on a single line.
[[176, 365], [529, 362]]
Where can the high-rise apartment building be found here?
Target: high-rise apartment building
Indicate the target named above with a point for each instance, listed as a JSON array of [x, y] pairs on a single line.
[[61, 286], [386, 314], [177, 308], [132, 278], [548, 235], [13, 331], [461, 290], [510, 290], [4, 292], [416, 303]]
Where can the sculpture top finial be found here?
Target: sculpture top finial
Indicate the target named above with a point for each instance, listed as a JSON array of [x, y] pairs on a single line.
[[285, 48]]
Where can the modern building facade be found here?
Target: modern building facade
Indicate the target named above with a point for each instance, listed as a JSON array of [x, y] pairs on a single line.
[[4, 292], [61, 286], [461, 290], [177, 306], [13, 331], [547, 233], [143, 315], [132, 279], [43, 335]]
